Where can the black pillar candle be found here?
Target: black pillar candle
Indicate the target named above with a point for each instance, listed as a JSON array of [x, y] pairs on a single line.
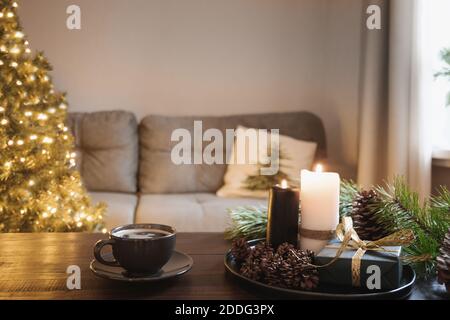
[[282, 215]]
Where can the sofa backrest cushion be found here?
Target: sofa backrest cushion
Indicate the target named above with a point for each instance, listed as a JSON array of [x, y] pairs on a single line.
[[158, 174], [107, 149]]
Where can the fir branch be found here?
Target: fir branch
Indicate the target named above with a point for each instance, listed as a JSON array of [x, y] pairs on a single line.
[[399, 208], [258, 182], [348, 192], [247, 222]]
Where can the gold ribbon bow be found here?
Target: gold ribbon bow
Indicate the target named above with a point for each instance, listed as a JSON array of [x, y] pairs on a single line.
[[351, 241]]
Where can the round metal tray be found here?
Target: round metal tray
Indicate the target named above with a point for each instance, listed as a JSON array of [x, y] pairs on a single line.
[[324, 291]]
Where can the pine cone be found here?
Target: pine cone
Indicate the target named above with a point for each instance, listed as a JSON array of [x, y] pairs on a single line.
[[240, 250], [364, 220], [286, 267], [296, 270], [443, 262], [258, 259]]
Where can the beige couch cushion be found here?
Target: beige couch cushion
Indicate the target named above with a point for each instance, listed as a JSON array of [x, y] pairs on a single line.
[[107, 149], [200, 212], [121, 207], [159, 175]]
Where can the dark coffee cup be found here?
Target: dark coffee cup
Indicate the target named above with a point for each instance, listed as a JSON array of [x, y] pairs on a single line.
[[139, 248]]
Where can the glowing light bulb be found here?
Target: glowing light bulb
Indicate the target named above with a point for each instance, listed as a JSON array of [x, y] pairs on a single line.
[[22, 159], [8, 164], [19, 34], [28, 113], [45, 79], [1, 62], [3, 48], [14, 64], [19, 83], [47, 140], [2, 109], [51, 110], [284, 184], [4, 122], [10, 143], [33, 137], [63, 106], [45, 215], [1, 14], [15, 50], [31, 183], [19, 142], [10, 14], [42, 116], [15, 5], [79, 224], [104, 230]]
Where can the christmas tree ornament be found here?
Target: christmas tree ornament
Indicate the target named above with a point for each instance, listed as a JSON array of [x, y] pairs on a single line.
[[40, 190], [364, 219], [443, 262]]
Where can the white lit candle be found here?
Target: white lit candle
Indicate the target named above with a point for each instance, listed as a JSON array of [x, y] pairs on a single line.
[[319, 201]]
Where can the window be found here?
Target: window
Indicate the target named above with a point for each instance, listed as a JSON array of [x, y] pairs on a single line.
[[438, 27]]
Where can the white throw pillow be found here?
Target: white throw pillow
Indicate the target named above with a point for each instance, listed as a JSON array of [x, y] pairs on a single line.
[[295, 155]]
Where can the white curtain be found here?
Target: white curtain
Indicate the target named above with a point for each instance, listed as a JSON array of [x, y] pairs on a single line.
[[394, 135]]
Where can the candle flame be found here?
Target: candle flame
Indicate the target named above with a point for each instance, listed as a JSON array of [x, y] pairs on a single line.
[[319, 168], [284, 184]]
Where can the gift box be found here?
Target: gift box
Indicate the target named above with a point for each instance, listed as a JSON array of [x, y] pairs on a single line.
[[384, 262]]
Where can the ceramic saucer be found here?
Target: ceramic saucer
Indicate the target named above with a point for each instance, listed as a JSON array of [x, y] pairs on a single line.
[[178, 264]]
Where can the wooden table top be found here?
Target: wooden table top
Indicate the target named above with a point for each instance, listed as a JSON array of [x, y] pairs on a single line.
[[33, 266]]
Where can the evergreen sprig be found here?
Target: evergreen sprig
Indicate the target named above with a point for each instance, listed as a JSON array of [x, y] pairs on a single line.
[[348, 192], [258, 182], [400, 208], [247, 222]]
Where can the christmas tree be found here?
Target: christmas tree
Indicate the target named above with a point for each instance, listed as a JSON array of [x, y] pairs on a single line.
[[40, 190]]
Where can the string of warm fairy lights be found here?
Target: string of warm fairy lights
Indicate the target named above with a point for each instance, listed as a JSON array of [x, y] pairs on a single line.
[[40, 190]]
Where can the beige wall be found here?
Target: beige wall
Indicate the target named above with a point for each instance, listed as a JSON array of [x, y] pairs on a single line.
[[208, 57]]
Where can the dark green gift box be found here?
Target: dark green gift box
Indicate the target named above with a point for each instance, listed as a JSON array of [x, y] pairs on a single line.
[[340, 272]]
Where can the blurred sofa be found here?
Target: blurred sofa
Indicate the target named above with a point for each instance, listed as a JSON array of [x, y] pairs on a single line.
[[127, 165]]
